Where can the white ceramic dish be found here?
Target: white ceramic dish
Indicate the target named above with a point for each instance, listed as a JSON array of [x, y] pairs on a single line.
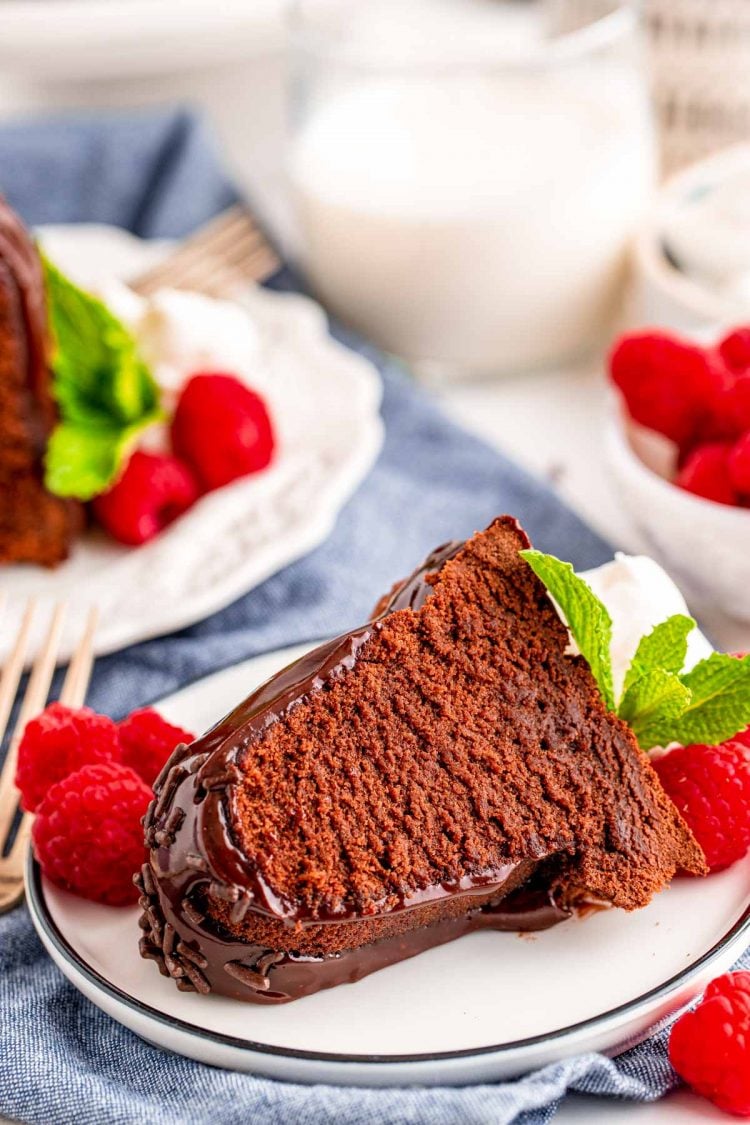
[[662, 294], [703, 545], [325, 401], [486, 1007]]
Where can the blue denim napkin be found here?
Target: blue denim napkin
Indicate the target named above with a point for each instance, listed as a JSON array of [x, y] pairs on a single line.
[[61, 1059]]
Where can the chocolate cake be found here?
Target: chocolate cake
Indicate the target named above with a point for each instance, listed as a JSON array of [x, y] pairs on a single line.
[[446, 767], [34, 525]]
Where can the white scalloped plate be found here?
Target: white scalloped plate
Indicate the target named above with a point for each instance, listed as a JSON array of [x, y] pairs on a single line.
[[489, 1006], [325, 401]]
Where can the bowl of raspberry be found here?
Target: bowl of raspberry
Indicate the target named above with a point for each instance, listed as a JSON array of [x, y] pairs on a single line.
[[679, 451]]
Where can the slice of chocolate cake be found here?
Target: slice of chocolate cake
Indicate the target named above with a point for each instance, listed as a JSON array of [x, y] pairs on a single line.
[[34, 525], [446, 767]]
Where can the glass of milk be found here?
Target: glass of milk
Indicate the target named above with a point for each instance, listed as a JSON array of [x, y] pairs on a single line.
[[467, 173]]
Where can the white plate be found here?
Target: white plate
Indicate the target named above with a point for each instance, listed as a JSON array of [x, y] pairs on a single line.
[[488, 1006], [325, 400]]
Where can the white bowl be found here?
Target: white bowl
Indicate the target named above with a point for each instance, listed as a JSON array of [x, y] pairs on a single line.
[[703, 545], [662, 293]]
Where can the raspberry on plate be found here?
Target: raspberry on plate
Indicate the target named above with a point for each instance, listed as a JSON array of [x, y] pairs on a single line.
[[147, 740], [152, 492], [706, 473], [710, 785], [668, 385], [87, 833], [222, 429], [710, 1046], [59, 741]]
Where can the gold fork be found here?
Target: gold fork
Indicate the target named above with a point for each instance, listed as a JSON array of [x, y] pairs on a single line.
[[217, 260], [73, 694]]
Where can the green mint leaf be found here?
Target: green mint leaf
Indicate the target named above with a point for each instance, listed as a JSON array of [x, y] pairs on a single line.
[[82, 461], [587, 617], [664, 647], [98, 373], [719, 705], [105, 392], [656, 698]]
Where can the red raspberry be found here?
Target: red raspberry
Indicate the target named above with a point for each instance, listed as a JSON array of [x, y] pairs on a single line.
[[668, 385], [710, 785], [706, 473], [739, 464], [152, 492], [222, 429], [730, 415], [147, 741], [734, 349], [59, 741], [710, 1046], [88, 836]]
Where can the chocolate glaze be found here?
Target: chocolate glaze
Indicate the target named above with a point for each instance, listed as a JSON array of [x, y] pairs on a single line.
[[193, 854], [19, 256], [251, 972]]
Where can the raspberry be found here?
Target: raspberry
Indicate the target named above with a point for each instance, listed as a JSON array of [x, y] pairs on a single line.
[[710, 1046], [739, 464], [87, 833], [730, 415], [59, 741], [147, 741], [734, 349], [706, 473], [222, 429], [152, 492], [668, 385], [710, 785]]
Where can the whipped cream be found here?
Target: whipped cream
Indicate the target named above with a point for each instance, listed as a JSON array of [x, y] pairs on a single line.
[[180, 333], [639, 595]]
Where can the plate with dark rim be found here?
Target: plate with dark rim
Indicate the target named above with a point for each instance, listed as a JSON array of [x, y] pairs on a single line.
[[485, 1007]]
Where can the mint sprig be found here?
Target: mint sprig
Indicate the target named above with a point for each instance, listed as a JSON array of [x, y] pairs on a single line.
[[588, 619], [105, 393], [660, 702]]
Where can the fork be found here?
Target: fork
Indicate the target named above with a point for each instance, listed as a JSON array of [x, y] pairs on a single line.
[[12, 858], [218, 259]]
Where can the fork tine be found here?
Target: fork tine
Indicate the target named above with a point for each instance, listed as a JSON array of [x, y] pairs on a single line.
[[73, 694], [13, 670], [34, 700], [233, 238], [79, 670]]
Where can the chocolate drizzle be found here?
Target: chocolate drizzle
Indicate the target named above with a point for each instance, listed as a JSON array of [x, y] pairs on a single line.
[[194, 856]]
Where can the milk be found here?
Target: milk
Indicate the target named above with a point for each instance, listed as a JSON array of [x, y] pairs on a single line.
[[474, 220]]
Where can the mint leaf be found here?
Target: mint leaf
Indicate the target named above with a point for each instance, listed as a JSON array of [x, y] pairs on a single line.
[[719, 705], [83, 461], [658, 697], [587, 617], [664, 647], [105, 392]]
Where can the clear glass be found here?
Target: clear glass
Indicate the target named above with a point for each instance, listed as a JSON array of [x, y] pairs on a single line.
[[467, 173]]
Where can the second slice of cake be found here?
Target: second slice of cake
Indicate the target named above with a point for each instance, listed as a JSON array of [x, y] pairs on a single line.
[[447, 766]]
